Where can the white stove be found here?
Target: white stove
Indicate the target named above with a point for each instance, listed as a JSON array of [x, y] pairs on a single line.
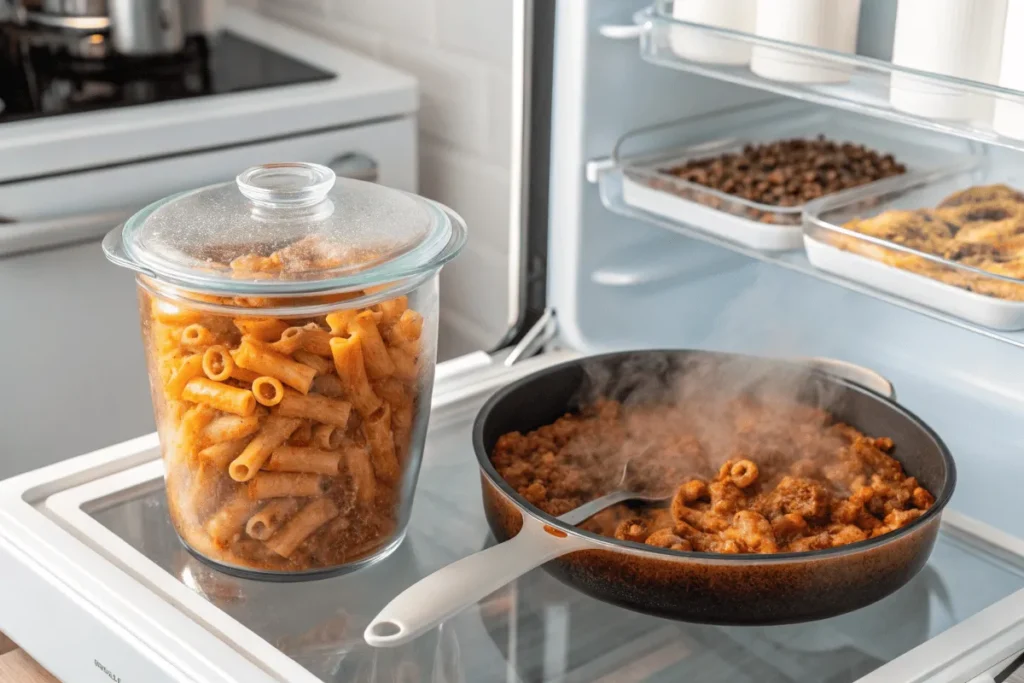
[[262, 81]]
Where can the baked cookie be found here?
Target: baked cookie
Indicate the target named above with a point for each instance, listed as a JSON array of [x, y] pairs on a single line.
[[991, 233], [922, 229], [980, 194], [982, 212], [971, 253], [980, 227]]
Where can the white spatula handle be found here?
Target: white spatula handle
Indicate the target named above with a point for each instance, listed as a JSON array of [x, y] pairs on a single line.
[[455, 587]]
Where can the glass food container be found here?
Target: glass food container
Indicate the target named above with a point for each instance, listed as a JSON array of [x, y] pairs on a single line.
[[938, 239], [290, 326]]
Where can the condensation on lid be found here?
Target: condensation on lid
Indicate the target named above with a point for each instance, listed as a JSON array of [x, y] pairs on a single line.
[[285, 226]]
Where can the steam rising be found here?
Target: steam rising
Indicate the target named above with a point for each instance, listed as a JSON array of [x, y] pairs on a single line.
[[716, 377], [710, 383], [685, 413]]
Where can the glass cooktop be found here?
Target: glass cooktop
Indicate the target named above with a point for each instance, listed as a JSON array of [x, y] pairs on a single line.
[[537, 629], [43, 75]]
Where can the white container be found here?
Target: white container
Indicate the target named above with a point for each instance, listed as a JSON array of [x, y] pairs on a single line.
[[743, 231], [827, 24], [961, 38], [997, 314], [856, 257], [647, 186], [1009, 115], [697, 46]]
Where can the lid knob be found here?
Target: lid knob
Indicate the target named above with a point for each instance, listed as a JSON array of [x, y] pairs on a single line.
[[286, 185]]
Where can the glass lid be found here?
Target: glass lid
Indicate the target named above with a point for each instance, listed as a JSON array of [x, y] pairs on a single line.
[[287, 227]]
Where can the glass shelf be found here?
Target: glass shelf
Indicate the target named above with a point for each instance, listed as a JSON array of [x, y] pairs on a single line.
[[536, 629], [610, 184], [865, 84]]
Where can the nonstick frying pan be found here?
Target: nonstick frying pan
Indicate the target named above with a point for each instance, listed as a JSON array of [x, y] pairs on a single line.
[[688, 586]]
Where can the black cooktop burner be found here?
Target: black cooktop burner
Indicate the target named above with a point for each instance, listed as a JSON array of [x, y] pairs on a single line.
[[40, 74]]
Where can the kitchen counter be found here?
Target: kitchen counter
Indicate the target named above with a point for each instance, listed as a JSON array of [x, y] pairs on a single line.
[[17, 667]]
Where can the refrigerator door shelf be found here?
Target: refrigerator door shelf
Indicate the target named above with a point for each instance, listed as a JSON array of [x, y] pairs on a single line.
[[838, 78]]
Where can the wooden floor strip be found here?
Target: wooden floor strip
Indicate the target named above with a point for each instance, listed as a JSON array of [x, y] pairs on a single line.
[[17, 667]]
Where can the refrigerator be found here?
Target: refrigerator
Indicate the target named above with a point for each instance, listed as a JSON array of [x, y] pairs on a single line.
[[106, 591]]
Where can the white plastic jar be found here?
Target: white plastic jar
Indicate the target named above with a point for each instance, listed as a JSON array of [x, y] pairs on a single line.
[[698, 46], [826, 24], [960, 38], [1008, 118]]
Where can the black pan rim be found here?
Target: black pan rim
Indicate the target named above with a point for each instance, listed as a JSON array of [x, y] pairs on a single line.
[[613, 544]]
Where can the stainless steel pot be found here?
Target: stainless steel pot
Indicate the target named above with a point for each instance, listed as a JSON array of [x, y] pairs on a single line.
[[147, 27], [75, 8], [73, 18], [203, 17]]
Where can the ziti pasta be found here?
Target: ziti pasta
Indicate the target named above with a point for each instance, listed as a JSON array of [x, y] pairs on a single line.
[[317, 430], [289, 321]]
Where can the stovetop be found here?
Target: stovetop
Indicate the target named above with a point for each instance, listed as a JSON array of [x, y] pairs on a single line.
[[40, 76]]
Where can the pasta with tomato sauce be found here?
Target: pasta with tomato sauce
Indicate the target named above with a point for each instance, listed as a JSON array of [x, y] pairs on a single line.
[[747, 475]]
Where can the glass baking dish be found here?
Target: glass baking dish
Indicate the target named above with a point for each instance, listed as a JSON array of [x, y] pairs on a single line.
[[985, 298], [647, 185]]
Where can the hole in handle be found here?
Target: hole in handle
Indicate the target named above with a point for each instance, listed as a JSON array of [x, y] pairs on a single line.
[[384, 630]]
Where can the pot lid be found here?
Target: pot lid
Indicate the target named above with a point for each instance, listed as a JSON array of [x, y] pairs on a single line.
[[288, 227]]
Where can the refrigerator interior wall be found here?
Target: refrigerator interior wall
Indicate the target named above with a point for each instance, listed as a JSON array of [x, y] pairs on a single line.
[[687, 293]]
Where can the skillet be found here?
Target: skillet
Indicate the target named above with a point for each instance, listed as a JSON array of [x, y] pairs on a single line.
[[689, 586]]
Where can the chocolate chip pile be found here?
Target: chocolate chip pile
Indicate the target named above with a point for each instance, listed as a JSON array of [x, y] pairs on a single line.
[[785, 173]]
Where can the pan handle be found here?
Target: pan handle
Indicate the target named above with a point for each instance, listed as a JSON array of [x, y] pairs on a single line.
[[858, 374], [451, 589]]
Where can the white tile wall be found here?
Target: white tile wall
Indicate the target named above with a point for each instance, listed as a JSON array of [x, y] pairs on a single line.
[[453, 93], [461, 52], [479, 29], [475, 188]]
